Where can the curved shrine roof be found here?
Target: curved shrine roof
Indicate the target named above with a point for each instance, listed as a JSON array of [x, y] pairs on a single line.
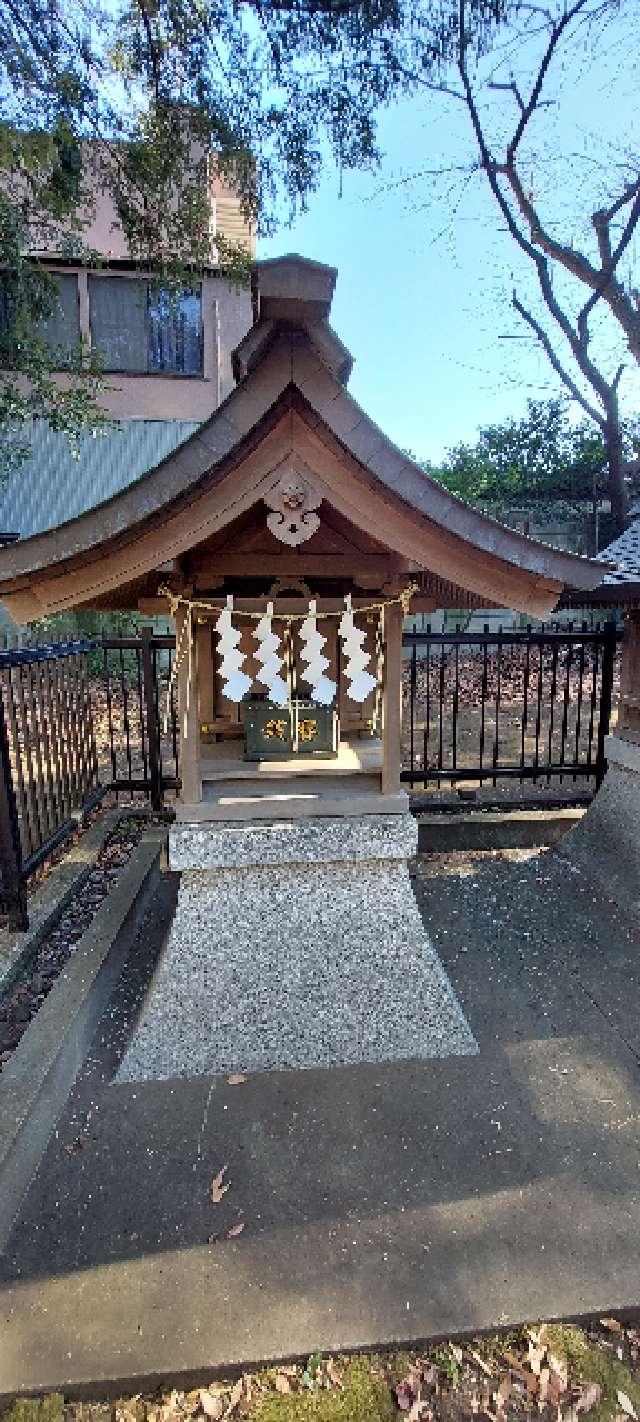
[[290, 405]]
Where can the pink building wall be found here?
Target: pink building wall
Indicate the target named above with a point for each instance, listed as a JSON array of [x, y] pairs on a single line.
[[226, 317]]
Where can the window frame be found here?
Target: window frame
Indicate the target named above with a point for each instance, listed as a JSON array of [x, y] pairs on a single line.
[[148, 374]]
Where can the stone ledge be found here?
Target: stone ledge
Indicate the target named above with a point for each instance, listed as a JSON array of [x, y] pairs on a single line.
[[35, 1084], [233, 845], [508, 829]]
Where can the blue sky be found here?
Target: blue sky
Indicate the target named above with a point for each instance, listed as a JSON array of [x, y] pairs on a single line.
[[425, 273]]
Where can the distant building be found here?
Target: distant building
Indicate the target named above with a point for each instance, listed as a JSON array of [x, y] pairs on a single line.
[[167, 365]]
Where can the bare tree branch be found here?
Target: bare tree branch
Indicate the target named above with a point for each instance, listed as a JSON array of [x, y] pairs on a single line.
[[524, 225], [574, 390]]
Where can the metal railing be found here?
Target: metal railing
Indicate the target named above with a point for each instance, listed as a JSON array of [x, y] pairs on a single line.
[[48, 758], [78, 718], [500, 705], [132, 695]]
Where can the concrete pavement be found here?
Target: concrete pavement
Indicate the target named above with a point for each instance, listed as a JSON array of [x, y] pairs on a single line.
[[379, 1204]]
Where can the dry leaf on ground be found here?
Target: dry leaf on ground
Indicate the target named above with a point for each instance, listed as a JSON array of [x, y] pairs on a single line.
[[333, 1376], [212, 1407], [626, 1404], [235, 1396], [612, 1325], [218, 1187], [235, 1229], [236, 1079], [589, 1396], [282, 1383], [480, 1363]]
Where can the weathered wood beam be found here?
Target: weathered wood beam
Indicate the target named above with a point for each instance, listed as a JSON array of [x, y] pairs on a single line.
[[205, 568]]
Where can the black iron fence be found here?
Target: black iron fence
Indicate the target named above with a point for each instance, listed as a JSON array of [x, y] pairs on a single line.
[[135, 704], [48, 757], [530, 706], [79, 718]]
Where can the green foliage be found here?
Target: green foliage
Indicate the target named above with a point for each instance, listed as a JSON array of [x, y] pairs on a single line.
[[132, 100], [541, 460]]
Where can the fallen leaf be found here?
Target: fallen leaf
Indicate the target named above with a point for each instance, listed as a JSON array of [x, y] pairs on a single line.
[[282, 1383], [235, 1396], [404, 1396], [236, 1079], [480, 1363], [503, 1390], [218, 1187], [612, 1325], [537, 1354], [529, 1379], [626, 1404], [235, 1229], [333, 1376], [556, 1387], [589, 1396], [211, 1406], [558, 1368]]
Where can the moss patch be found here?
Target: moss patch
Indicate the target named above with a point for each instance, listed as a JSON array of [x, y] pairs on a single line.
[[588, 1363], [42, 1409], [366, 1397]]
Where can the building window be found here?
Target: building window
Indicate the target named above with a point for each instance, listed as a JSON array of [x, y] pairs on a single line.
[[60, 332], [140, 328]]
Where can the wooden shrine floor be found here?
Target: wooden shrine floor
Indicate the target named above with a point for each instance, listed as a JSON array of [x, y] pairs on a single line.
[[297, 787], [225, 761]]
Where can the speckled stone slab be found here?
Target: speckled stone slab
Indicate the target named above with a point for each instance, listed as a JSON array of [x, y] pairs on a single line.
[[296, 965], [232, 845]]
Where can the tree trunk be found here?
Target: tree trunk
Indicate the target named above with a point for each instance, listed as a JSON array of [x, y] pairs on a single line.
[[615, 466]]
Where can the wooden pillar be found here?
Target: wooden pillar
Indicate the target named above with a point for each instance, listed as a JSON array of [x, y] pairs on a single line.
[[189, 719], [392, 701], [205, 673]]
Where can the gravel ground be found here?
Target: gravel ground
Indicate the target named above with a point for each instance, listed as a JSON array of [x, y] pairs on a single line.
[[21, 1000]]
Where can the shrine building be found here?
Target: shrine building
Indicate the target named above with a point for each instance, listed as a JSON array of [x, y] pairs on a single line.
[[288, 537]]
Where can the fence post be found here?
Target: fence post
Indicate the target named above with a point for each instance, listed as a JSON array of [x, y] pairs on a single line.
[[151, 710], [609, 644], [14, 892]]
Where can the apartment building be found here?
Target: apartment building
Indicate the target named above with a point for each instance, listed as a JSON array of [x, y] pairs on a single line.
[[166, 359]]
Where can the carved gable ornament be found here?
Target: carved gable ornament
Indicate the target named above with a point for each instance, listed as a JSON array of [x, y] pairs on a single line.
[[292, 500]]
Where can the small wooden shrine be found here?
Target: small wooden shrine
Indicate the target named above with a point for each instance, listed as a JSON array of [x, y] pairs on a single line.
[[288, 538]]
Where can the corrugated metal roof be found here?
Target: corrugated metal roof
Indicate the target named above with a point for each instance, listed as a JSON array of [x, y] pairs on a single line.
[[52, 486], [625, 551]]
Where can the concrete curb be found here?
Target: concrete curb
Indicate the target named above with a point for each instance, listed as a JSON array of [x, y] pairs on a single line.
[[48, 903], [36, 1083], [514, 829]]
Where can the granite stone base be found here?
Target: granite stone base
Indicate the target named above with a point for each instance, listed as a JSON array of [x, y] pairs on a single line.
[[295, 946], [605, 846]]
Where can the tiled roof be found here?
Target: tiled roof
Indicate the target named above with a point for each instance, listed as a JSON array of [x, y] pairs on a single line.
[[625, 551], [52, 486]]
